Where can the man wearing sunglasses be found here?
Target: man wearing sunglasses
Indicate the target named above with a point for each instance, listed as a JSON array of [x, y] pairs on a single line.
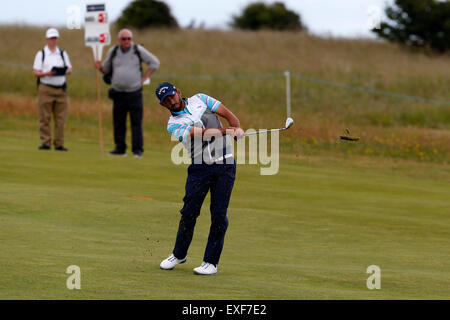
[[124, 61]]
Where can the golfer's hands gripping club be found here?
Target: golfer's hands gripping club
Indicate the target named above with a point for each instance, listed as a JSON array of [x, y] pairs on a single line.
[[237, 133]]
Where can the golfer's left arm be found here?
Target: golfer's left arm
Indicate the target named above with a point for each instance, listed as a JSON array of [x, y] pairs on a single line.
[[233, 121], [224, 112]]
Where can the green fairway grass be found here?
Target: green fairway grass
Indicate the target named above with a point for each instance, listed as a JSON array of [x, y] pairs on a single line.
[[308, 232]]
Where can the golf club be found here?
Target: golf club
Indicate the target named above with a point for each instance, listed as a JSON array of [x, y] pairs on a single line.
[[289, 122]]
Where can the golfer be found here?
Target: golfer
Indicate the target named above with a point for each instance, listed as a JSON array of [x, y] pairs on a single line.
[[213, 169]]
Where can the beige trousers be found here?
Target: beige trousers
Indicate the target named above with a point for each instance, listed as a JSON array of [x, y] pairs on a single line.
[[52, 101]]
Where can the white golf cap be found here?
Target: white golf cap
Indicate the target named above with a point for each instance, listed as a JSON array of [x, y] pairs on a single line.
[[52, 32]]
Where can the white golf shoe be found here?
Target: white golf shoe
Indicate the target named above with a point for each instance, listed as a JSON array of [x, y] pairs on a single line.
[[206, 269], [171, 262]]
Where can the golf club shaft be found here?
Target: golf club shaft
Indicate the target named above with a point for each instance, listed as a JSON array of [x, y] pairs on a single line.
[[264, 131]]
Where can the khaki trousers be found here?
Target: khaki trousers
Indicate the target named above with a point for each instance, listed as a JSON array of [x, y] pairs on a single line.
[[52, 101]]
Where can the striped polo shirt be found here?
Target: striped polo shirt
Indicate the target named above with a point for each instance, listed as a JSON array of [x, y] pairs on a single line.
[[200, 111]]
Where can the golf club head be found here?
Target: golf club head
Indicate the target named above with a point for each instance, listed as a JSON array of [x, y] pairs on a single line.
[[289, 122]]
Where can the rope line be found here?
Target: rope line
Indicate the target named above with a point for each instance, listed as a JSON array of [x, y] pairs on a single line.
[[265, 76]]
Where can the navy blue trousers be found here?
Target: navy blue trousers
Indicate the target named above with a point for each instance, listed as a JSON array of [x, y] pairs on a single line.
[[219, 180], [124, 103]]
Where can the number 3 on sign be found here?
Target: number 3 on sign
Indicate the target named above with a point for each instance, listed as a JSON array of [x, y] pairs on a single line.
[[102, 17], [103, 37]]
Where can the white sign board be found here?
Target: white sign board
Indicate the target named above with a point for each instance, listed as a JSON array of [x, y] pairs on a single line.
[[96, 28]]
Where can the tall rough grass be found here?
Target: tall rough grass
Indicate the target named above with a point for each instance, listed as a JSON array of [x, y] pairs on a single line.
[[388, 126]]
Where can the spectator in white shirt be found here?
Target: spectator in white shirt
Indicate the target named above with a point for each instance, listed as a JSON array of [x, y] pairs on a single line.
[[51, 65]]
